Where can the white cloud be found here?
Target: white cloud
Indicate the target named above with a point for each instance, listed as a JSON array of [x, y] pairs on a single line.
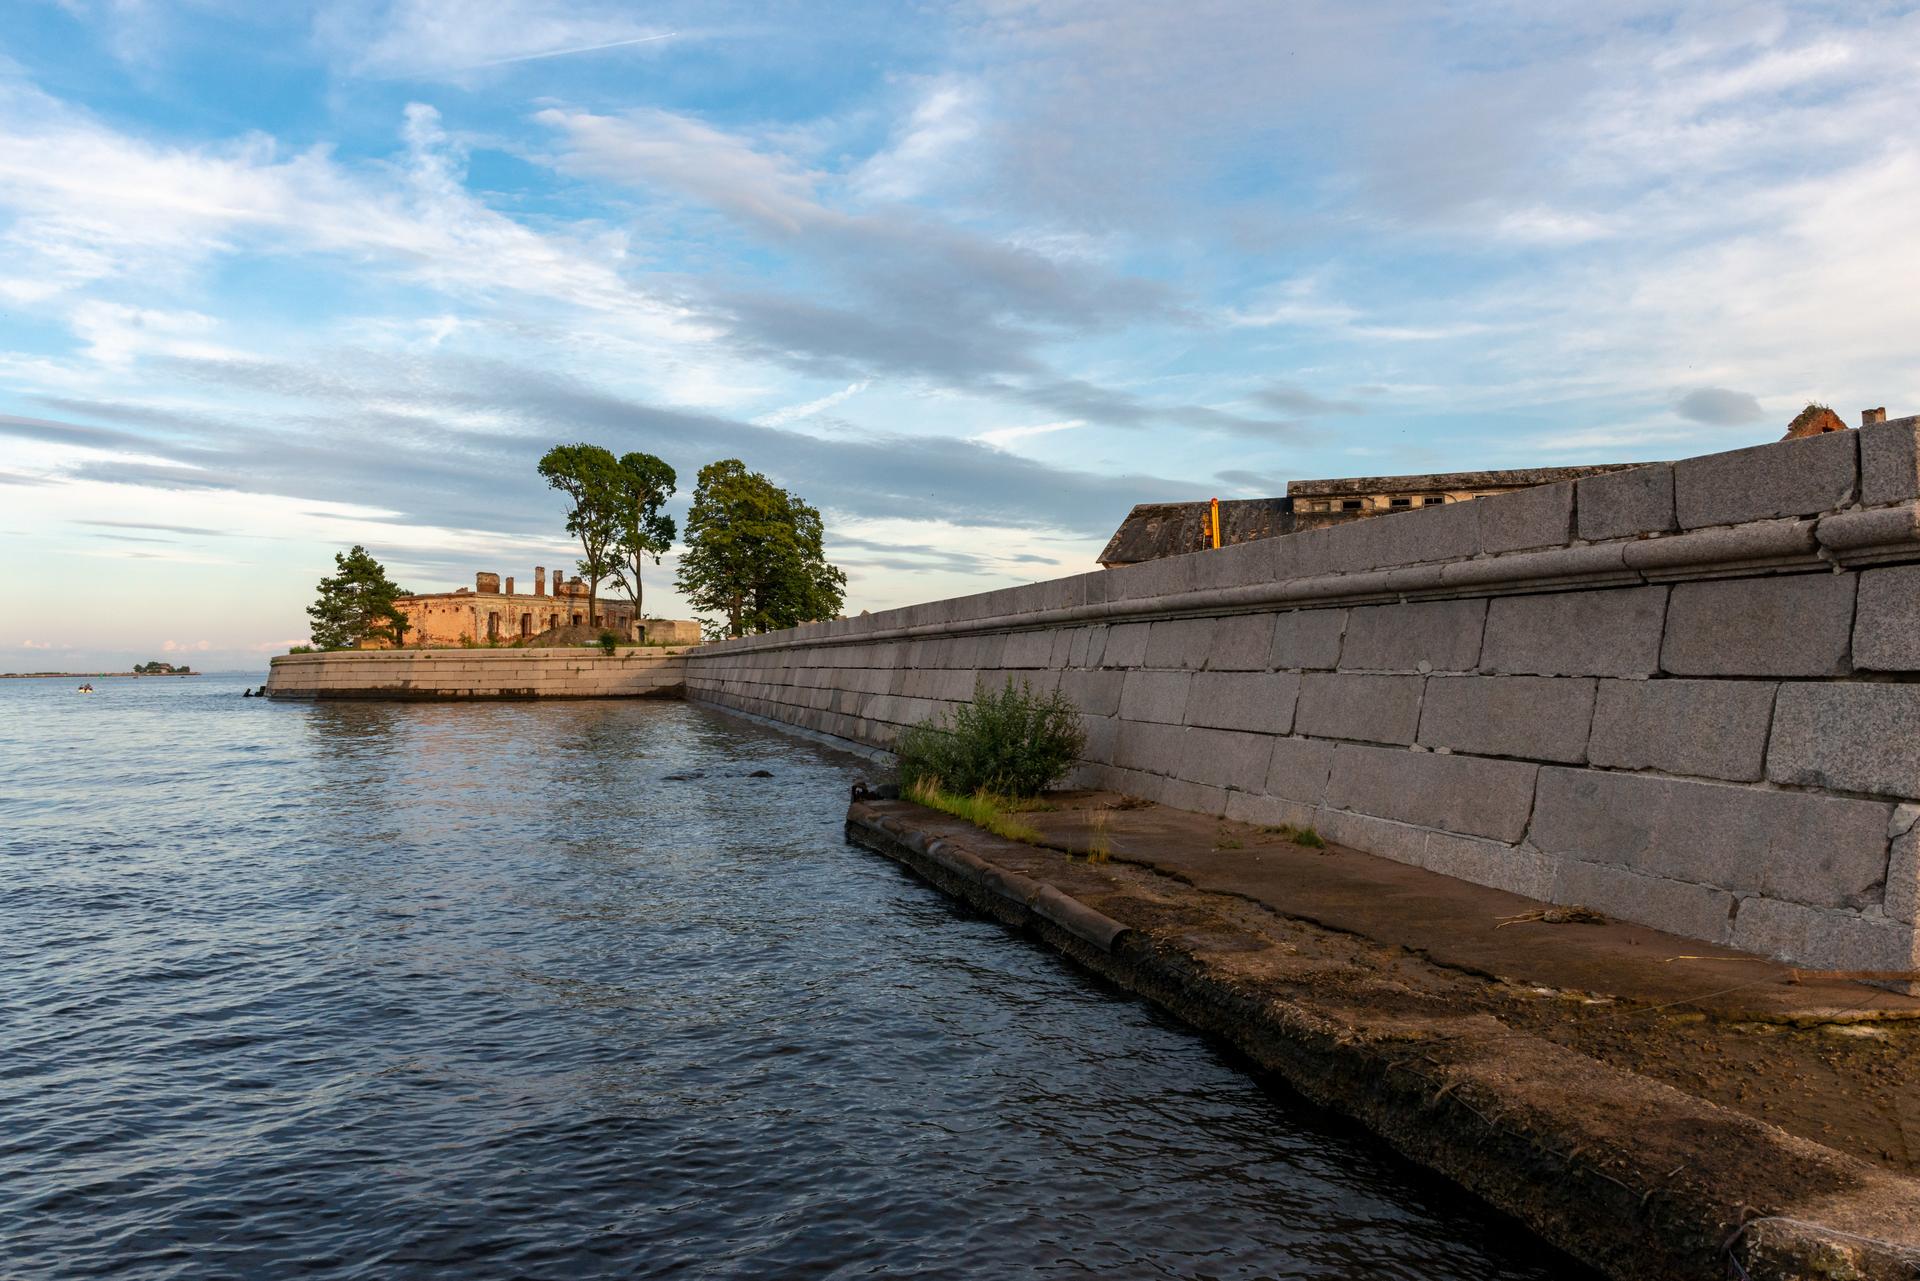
[[1001, 437], [926, 149], [793, 413], [453, 39]]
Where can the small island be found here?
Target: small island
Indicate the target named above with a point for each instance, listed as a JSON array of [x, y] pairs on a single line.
[[155, 668]]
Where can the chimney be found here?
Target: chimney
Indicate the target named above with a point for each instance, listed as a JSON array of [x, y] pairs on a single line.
[[539, 580], [509, 584], [1868, 417], [486, 583]]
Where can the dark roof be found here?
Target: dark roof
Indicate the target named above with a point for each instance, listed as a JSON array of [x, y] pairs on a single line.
[[1153, 530], [1518, 478]]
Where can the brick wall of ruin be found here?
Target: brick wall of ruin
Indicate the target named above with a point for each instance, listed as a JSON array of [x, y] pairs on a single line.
[[1685, 695], [478, 674]]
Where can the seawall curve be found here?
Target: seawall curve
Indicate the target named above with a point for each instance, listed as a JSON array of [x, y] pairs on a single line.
[[463, 674]]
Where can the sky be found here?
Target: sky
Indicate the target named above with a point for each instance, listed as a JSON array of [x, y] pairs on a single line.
[[971, 278]]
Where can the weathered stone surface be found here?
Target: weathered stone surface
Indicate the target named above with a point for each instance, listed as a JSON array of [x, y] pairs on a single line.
[[1226, 758], [1537, 517], [1448, 532], [1150, 748], [1822, 939], [1886, 629], [1126, 644], [1103, 738], [1180, 643], [1463, 794], [1094, 692], [1299, 768], [1890, 461], [1542, 718], [1383, 838], [1848, 738], [1503, 866], [1717, 729], [1605, 633], [1252, 807], [1788, 478], [1678, 907], [1903, 878], [1375, 709], [1823, 850], [1155, 696], [1242, 643], [1308, 638], [1624, 504], [1427, 636], [1028, 649], [1781, 625], [1261, 701]]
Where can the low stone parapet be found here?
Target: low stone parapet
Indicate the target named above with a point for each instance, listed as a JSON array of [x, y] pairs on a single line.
[[452, 674]]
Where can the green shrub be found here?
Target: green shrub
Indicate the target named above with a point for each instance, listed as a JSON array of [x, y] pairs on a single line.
[[608, 642], [303, 649], [1013, 743]]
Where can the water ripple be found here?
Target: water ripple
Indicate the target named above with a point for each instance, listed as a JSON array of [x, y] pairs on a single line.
[[393, 991]]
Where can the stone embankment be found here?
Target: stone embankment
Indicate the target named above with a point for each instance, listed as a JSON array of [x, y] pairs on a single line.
[[1683, 694], [435, 674], [1655, 1108]]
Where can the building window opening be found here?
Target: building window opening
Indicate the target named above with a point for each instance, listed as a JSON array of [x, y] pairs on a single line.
[[1432, 500], [1400, 502], [1350, 505], [493, 625], [526, 624], [576, 620]]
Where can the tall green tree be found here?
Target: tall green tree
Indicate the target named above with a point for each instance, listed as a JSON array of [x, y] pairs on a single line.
[[754, 553], [641, 486], [586, 475], [355, 604]]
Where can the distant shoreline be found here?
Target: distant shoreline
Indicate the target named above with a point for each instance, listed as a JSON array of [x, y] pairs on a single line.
[[48, 676]]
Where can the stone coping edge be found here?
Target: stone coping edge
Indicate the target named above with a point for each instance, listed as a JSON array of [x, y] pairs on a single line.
[[489, 655], [1458, 1103], [1870, 536]]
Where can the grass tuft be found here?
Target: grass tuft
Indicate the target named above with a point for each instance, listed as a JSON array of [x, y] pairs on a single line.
[[1298, 835], [982, 809]]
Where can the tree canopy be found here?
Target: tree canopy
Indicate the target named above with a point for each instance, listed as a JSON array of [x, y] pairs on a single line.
[[355, 604], [586, 474], [754, 553], [637, 488]]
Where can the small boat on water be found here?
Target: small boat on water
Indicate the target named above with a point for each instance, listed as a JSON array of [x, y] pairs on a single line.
[[85, 689]]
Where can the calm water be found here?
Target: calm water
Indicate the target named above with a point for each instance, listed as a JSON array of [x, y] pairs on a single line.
[[387, 991]]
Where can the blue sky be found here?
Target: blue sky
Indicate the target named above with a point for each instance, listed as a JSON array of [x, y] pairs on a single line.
[[972, 278]]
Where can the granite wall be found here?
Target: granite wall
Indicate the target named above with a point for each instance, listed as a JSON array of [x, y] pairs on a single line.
[[478, 674], [1686, 694]]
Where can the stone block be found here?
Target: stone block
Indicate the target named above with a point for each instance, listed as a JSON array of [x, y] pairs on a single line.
[[1847, 738], [1028, 649], [1152, 580], [1426, 636], [1504, 867], [1270, 811], [1465, 794], [1605, 633], [1886, 626], [1780, 625], [1528, 518], [1155, 696], [1902, 901], [1298, 769], [1226, 758], [1827, 940], [1823, 850], [1678, 907], [1715, 729], [1626, 504], [1259, 701], [1103, 738], [1094, 692], [1126, 644], [1243, 642], [1541, 718], [1180, 643], [1448, 532], [1308, 638], [1352, 705], [1383, 838], [1890, 462], [1150, 748], [1787, 478]]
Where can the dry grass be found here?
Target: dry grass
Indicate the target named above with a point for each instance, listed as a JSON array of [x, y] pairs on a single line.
[[982, 809]]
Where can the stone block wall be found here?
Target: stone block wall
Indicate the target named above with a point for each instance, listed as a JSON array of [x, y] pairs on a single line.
[[1686, 695], [434, 674]]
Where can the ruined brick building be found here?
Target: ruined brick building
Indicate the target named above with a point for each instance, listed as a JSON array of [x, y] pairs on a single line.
[[487, 613]]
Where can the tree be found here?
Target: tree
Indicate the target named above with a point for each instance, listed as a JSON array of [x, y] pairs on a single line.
[[754, 553], [585, 474], [641, 486], [356, 604]]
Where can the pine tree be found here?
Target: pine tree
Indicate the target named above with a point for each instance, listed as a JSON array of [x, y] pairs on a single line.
[[356, 606]]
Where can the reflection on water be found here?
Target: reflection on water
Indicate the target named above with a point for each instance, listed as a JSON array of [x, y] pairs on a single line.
[[374, 990]]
